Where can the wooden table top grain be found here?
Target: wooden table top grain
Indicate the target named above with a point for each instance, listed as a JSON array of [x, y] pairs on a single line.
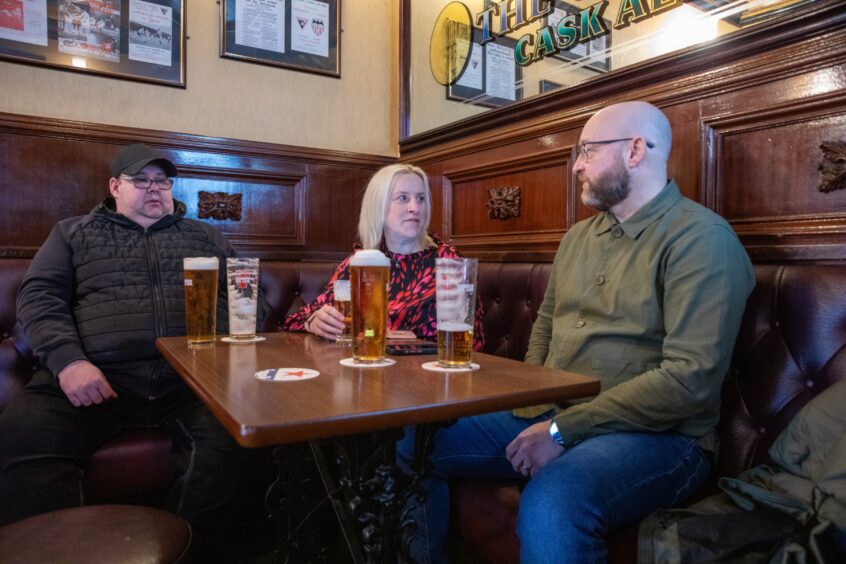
[[342, 400]]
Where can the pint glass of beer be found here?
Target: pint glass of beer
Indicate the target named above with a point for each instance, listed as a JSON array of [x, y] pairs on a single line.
[[242, 282], [343, 304], [200, 274], [455, 287], [370, 274]]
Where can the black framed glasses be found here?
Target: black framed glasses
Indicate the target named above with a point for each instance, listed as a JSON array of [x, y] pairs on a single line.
[[144, 183], [584, 152]]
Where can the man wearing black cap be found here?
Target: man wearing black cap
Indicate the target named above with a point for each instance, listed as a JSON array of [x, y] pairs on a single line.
[[98, 293]]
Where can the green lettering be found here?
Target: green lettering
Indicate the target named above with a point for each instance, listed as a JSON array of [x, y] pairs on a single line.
[[520, 56], [566, 32], [631, 11], [592, 24], [544, 46]]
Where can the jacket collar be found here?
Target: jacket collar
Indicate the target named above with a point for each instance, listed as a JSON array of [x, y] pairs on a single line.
[[107, 208]]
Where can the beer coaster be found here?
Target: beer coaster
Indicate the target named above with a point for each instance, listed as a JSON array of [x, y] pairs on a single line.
[[256, 339], [287, 374], [435, 367], [352, 363]]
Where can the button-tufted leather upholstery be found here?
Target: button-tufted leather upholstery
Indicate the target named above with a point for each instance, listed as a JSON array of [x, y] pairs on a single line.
[[791, 346]]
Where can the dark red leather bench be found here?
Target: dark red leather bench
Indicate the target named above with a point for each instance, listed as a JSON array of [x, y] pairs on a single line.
[[790, 347]]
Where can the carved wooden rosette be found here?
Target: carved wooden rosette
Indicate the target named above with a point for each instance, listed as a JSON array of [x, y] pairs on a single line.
[[504, 203], [219, 205], [833, 166]]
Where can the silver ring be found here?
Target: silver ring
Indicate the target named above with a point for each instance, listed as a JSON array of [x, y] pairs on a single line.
[[524, 468]]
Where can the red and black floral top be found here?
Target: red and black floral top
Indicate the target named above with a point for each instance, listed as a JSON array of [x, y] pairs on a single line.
[[412, 296]]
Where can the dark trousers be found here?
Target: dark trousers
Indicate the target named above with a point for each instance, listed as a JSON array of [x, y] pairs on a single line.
[[46, 442]]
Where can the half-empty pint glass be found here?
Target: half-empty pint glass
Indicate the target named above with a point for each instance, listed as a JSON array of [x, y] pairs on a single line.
[[242, 276], [343, 303], [455, 286], [370, 274], [200, 274]]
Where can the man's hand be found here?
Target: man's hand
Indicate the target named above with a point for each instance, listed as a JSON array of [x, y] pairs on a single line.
[[84, 384], [533, 449]]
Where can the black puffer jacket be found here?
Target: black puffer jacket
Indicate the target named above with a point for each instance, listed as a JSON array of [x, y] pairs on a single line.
[[101, 288]]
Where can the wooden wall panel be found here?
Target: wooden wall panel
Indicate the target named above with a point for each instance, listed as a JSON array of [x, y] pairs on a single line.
[[297, 203], [748, 116]]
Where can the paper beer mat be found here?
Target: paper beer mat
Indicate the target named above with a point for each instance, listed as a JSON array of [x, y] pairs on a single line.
[[256, 339], [435, 367], [353, 363], [287, 374]]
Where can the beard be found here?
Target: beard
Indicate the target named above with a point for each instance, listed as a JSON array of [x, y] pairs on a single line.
[[609, 189]]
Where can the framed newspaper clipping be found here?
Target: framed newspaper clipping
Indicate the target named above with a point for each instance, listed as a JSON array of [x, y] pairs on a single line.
[[132, 39], [302, 35]]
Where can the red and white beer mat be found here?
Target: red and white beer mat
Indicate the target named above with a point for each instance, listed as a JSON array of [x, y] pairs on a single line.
[[287, 374], [352, 363], [435, 367]]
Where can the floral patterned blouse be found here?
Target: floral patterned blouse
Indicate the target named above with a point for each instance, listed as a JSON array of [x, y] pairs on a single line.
[[411, 303]]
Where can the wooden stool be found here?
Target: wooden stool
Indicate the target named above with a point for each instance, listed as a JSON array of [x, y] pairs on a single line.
[[99, 534]]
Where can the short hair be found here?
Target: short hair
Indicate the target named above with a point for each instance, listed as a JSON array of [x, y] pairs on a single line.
[[374, 205]]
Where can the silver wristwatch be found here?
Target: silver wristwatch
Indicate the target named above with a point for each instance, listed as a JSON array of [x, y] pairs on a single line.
[[555, 433]]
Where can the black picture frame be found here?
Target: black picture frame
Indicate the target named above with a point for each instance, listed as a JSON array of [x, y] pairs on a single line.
[[545, 86], [582, 52], [479, 97], [140, 40], [308, 16]]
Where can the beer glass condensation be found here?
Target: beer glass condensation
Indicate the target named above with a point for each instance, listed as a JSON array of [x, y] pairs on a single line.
[[200, 275], [455, 287], [370, 274], [242, 281], [343, 303]]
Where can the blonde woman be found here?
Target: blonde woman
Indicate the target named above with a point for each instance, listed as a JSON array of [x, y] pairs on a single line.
[[394, 218]]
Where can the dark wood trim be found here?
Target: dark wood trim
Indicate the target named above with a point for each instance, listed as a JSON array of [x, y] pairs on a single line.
[[696, 72], [404, 120], [84, 131]]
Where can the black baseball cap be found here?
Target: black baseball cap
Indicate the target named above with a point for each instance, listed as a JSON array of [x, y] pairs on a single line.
[[133, 158]]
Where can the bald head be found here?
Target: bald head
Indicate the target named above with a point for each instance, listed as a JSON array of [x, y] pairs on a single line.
[[632, 119]]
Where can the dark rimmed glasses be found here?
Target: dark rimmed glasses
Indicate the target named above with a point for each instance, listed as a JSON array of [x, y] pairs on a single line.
[[584, 152], [144, 183]]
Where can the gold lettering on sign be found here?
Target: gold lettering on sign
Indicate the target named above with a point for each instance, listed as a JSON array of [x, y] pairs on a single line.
[[833, 166], [504, 203], [219, 205]]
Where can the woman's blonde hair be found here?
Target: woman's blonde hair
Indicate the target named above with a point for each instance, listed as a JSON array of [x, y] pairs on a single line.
[[374, 205]]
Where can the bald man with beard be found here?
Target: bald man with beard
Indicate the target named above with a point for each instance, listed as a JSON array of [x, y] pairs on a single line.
[[647, 296]]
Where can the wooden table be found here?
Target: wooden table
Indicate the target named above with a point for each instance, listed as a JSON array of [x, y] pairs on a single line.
[[344, 401]]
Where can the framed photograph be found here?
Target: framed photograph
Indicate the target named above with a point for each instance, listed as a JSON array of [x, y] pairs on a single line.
[[302, 35], [591, 54], [491, 77], [133, 39]]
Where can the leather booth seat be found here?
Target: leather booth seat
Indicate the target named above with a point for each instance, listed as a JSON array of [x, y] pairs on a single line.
[[126, 534], [790, 347]]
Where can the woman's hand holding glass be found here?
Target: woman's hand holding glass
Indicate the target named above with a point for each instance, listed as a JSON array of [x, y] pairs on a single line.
[[326, 322]]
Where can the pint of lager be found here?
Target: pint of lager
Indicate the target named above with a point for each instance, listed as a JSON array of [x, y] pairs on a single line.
[[343, 303], [455, 286], [370, 274], [200, 274]]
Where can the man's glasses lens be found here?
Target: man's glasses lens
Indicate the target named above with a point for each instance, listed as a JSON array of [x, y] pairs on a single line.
[[144, 183]]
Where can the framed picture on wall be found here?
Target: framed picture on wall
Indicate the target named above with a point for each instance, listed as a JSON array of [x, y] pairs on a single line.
[[133, 39], [302, 35], [594, 54], [491, 77]]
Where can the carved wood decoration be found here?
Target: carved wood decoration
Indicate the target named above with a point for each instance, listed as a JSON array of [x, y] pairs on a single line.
[[833, 166], [219, 205], [504, 203]]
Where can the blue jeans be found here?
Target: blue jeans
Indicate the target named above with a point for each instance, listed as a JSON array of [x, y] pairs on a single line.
[[569, 507]]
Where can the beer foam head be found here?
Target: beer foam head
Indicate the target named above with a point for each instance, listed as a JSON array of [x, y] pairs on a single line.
[[200, 263], [369, 257]]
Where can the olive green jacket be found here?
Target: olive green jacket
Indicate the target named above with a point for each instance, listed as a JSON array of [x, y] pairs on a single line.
[[651, 307]]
